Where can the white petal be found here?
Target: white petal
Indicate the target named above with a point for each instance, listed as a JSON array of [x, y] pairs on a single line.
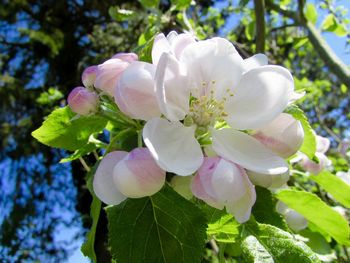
[[284, 135], [322, 143], [173, 146], [135, 92], [103, 184], [172, 91], [255, 61], [271, 181], [160, 45], [247, 152], [213, 65], [180, 42], [295, 220], [260, 97]]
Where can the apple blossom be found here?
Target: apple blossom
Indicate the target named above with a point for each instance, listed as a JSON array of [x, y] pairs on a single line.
[[127, 57], [294, 220], [88, 77], [322, 145], [135, 92], [121, 175], [108, 73], [173, 43], [221, 183], [209, 85], [137, 175], [83, 101], [284, 135]]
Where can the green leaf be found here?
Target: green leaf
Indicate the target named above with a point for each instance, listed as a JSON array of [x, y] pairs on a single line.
[[331, 24], [335, 186], [181, 4], [88, 148], [222, 226], [49, 96], [121, 15], [266, 243], [309, 144], [88, 246], [164, 227], [149, 3], [264, 209], [311, 13], [317, 212], [62, 131]]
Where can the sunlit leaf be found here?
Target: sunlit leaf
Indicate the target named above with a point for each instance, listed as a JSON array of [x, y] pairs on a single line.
[[339, 190], [311, 13], [62, 130], [317, 212]]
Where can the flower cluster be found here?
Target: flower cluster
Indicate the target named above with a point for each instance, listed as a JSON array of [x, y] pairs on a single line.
[[209, 114]]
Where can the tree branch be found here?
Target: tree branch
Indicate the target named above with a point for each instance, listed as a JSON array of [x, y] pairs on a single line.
[[259, 7], [333, 62]]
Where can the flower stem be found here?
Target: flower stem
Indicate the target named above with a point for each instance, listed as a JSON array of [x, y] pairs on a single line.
[[139, 138], [222, 253], [86, 167]]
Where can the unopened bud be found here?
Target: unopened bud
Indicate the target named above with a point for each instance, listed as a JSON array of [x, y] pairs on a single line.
[[88, 77], [83, 101], [138, 175]]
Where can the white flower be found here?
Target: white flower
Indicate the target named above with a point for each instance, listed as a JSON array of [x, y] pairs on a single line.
[[294, 220], [209, 84]]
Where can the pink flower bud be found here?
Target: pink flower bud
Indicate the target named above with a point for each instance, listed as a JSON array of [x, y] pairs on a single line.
[[314, 167], [294, 220], [135, 94], [83, 101], [108, 73], [127, 57], [138, 175], [284, 135], [221, 183], [322, 144], [88, 77]]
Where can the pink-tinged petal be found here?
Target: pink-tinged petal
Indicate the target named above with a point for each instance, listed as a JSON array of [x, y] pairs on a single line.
[[127, 57], [221, 183], [322, 143], [137, 175], [83, 101], [214, 66], [180, 42], [160, 45], [182, 185], [108, 75], [171, 88], [103, 183], [295, 220], [247, 152], [255, 61], [261, 95], [313, 167], [88, 77], [135, 92], [271, 181], [173, 146], [284, 135]]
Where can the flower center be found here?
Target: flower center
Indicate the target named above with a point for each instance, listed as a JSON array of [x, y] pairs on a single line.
[[207, 110]]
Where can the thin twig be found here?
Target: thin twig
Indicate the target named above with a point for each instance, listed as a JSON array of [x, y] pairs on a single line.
[[96, 155], [214, 246], [86, 167]]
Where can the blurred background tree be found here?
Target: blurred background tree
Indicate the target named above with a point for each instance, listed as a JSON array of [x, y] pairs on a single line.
[[45, 45]]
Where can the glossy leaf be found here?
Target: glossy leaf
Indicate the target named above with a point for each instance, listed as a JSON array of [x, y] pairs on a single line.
[[317, 212], [162, 228], [62, 129], [339, 190]]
